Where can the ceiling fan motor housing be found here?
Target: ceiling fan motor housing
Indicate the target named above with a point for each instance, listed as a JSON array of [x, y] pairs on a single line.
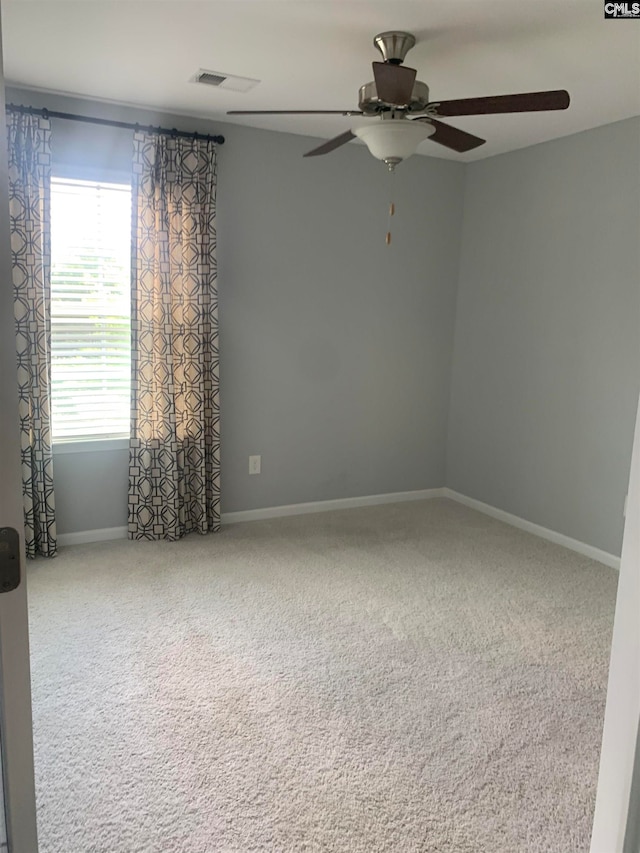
[[371, 105]]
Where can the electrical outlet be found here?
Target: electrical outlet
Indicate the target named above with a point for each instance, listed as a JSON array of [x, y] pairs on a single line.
[[254, 464]]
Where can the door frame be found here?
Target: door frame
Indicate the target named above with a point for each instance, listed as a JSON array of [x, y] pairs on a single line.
[[616, 826], [16, 730]]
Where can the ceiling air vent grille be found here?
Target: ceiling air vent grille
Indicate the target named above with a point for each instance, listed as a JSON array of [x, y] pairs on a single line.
[[224, 81], [211, 79]]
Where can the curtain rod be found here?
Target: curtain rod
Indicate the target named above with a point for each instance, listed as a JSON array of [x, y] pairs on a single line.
[[45, 113]]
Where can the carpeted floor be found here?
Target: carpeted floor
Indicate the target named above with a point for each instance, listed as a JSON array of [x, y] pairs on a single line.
[[413, 677]]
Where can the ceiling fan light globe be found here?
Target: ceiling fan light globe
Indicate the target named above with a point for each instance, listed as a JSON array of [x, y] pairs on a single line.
[[394, 140]]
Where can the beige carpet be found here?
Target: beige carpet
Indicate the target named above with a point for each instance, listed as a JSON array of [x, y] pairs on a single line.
[[414, 677]]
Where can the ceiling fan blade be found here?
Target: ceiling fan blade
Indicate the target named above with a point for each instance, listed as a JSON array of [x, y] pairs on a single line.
[[331, 144], [394, 83], [524, 103], [294, 113], [452, 137]]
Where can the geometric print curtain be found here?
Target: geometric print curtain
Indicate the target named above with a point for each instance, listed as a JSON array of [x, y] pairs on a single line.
[[174, 448], [29, 139]]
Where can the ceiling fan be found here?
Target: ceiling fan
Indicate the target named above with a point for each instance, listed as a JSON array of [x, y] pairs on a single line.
[[406, 115]]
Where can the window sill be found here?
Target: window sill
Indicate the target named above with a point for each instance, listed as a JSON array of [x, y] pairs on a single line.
[[94, 445]]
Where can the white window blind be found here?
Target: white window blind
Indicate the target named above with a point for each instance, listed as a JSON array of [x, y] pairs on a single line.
[[90, 309]]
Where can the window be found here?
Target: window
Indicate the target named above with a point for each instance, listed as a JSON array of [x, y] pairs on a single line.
[[90, 309]]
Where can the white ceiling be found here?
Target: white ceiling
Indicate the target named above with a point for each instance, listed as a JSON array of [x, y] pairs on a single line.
[[315, 55]]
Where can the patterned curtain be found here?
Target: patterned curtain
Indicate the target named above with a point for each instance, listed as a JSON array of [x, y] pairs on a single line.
[[29, 197], [174, 451]]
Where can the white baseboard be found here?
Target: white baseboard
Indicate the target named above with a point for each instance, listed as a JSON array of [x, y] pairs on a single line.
[[325, 506], [104, 534], [82, 537], [536, 529]]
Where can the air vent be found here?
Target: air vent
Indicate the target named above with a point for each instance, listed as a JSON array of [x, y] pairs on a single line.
[[211, 79], [224, 81]]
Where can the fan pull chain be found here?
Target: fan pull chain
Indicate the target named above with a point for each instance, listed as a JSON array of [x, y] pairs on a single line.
[[392, 210]]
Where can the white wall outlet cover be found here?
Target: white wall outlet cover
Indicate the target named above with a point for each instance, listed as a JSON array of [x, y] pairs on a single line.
[[254, 464]]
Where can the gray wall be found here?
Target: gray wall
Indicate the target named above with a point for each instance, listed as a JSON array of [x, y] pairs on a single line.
[[547, 354], [91, 487], [335, 349]]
